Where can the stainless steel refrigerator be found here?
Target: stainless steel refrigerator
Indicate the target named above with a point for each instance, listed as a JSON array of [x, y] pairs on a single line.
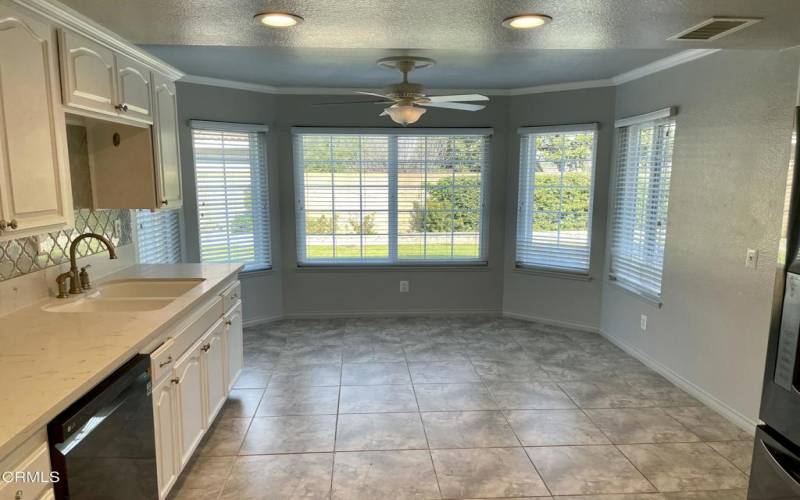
[[775, 473]]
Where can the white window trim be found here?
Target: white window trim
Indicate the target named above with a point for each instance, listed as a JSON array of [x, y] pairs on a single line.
[[227, 126], [356, 264], [659, 114], [553, 271]]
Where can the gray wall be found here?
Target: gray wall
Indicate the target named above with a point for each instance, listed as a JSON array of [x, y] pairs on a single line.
[[261, 290], [558, 298], [728, 177]]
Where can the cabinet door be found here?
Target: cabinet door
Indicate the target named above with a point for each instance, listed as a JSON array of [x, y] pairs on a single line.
[[166, 426], [134, 84], [190, 395], [214, 368], [168, 156], [34, 172], [234, 343], [88, 78]]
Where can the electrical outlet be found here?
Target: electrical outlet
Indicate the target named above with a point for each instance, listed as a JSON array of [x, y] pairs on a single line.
[[751, 261], [643, 322], [404, 286], [117, 228]]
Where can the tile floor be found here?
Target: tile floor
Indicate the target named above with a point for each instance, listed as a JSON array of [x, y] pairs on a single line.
[[458, 408]]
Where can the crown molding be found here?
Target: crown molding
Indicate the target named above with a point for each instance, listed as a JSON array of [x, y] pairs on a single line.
[[640, 72], [64, 16]]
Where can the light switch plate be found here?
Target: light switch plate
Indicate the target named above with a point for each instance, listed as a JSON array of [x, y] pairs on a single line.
[[751, 261], [643, 322], [404, 287]]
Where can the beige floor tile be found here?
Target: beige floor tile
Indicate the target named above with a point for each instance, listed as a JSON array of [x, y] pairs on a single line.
[[373, 353], [454, 397], [377, 399], [530, 396], [487, 473], [587, 470], [224, 437], [203, 477], [241, 403], [253, 378], [315, 374], [623, 496], [375, 373], [739, 453], [370, 475], [468, 429], [684, 467], [285, 477], [708, 495], [442, 372], [640, 425], [295, 434], [300, 400], [599, 394], [554, 428], [509, 371], [707, 424], [380, 431]]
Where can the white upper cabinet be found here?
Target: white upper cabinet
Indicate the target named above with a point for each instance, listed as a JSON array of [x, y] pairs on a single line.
[[134, 85], [166, 136], [88, 76], [35, 195]]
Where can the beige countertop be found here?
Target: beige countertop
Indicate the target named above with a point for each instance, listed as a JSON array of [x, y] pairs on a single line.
[[50, 359]]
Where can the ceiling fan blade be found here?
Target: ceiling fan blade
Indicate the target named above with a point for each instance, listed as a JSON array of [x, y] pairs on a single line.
[[373, 94], [384, 113], [464, 97], [453, 105], [378, 101]]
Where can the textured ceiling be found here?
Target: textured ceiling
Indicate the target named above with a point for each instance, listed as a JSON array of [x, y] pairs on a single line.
[[356, 67], [465, 25]]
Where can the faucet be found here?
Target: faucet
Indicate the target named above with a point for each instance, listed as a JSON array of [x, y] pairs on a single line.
[[80, 281]]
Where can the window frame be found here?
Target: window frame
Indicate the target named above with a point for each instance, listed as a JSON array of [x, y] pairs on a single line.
[[393, 261], [261, 130], [525, 206], [653, 119]]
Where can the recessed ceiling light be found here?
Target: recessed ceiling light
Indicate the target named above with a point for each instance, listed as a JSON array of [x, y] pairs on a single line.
[[526, 21], [278, 19]]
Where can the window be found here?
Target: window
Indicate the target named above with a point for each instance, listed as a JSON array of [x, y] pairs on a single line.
[[232, 193], [556, 175], [389, 196], [644, 163], [159, 236]]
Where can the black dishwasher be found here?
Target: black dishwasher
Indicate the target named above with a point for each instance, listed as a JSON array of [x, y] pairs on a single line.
[[103, 446]]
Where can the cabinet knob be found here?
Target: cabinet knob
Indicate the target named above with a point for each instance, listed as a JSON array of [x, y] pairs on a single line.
[[165, 202], [5, 225], [176, 380], [18, 495], [13, 224], [121, 107], [206, 347]]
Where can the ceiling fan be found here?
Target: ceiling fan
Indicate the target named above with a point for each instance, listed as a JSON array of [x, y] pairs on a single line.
[[407, 101]]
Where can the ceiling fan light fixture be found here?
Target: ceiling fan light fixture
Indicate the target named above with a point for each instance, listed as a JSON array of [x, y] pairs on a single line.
[[526, 21], [405, 114], [278, 19]]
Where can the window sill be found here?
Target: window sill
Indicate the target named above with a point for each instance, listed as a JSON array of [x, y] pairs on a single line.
[[255, 272], [553, 273], [639, 295], [480, 267]]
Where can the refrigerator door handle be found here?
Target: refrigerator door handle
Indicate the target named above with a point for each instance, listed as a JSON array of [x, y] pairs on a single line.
[[782, 464]]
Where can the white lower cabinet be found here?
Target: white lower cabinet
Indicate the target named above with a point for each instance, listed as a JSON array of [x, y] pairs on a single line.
[[189, 394]]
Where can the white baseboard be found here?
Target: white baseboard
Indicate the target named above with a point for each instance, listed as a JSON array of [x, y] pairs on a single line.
[[395, 313], [549, 321], [745, 423], [261, 320]]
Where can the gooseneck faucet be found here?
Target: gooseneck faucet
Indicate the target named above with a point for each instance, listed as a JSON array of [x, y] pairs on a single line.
[[76, 284]]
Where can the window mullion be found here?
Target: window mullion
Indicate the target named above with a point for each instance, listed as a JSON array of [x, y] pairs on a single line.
[[393, 173]]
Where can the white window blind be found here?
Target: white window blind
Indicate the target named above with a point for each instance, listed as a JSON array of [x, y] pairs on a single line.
[[159, 236], [644, 164], [556, 179], [232, 194], [387, 196]]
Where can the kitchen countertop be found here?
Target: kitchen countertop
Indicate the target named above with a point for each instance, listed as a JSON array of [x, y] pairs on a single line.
[[49, 360]]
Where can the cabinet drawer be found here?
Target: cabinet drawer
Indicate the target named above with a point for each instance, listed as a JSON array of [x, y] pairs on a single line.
[[231, 296], [200, 324], [34, 477], [162, 360]]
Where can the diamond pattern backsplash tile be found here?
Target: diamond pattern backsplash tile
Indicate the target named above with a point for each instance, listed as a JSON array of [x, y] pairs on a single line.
[[35, 253]]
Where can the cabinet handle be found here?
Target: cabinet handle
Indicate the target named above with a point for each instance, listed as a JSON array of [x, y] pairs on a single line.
[[121, 107], [165, 363], [165, 202], [228, 322], [5, 225], [13, 224], [176, 380], [206, 347], [18, 495]]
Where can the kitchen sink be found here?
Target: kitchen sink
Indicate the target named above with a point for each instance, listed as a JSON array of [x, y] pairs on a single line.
[[146, 288], [99, 305]]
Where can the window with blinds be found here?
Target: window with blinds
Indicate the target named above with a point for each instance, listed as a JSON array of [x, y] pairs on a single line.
[[644, 164], [556, 179], [232, 193], [158, 236], [387, 196]]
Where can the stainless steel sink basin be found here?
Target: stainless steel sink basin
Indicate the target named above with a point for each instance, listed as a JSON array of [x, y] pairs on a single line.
[[147, 288], [99, 305]]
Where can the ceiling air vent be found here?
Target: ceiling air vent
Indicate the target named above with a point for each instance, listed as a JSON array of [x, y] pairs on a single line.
[[714, 28]]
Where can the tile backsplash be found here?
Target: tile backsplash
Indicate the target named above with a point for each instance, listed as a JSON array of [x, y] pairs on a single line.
[[36, 253]]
